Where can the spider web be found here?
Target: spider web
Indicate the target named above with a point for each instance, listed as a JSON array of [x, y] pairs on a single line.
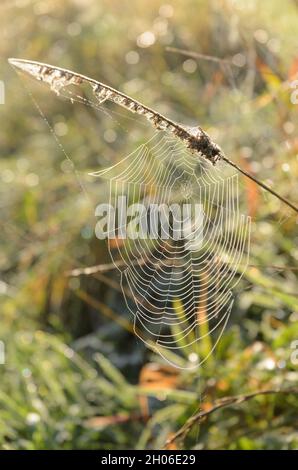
[[178, 292]]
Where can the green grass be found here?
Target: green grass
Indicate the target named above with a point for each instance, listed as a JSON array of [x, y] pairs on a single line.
[[73, 371]]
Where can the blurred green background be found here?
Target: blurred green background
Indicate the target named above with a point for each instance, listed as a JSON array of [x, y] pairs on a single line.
[[74, 375]]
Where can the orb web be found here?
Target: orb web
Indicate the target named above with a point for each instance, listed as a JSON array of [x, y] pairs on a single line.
[[179, 291]]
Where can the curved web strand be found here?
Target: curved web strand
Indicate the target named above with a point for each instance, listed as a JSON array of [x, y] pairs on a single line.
[[181, 290]]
